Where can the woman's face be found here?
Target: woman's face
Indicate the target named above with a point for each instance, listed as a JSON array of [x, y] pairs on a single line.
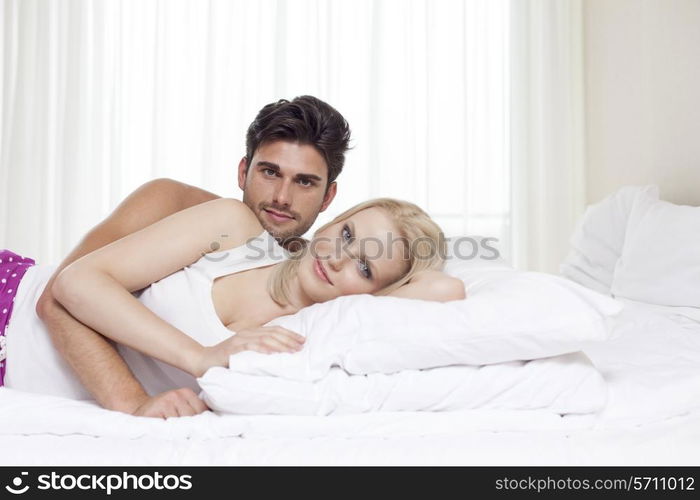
[[361, 254]]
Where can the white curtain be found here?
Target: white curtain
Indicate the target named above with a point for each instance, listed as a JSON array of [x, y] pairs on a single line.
[[547, 130], [101, 96]]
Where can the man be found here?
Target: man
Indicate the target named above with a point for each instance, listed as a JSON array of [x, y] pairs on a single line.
[[294, 152]]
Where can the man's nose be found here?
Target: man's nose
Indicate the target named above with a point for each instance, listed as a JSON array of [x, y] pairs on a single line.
[[283, 193]]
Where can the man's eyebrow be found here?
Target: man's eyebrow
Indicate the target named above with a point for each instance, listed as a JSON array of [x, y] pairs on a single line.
[[268, 164], [309, 177], [276, 167]]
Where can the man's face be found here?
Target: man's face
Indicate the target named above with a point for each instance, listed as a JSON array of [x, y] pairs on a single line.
[[285, 186]]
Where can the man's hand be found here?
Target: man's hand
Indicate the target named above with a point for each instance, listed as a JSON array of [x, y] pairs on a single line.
[[176, 403]]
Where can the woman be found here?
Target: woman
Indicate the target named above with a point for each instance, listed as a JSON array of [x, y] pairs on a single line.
[[172, 304]]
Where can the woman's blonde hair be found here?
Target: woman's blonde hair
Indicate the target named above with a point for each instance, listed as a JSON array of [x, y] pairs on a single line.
[[424, 245]]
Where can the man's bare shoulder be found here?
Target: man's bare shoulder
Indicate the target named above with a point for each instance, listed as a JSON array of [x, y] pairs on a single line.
[[155, 200], [185, 194]]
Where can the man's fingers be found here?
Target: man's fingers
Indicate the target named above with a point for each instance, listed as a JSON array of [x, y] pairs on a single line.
[[184, 409], [168, 409], [156, 407], [195, 404], [183, 399], [182, 402]]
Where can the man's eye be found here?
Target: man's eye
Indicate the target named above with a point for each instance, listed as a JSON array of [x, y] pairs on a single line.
[[269, 172], [305, 182]]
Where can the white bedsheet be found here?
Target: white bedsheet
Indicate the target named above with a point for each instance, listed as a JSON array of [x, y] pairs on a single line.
[[651, 365]]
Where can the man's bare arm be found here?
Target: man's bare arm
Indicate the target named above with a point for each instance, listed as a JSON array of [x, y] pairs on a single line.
[[93, 357]]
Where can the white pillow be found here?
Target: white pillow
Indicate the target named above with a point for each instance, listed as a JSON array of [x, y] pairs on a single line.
[[563, 384], [508, 315], [599, 237], [660, 262]]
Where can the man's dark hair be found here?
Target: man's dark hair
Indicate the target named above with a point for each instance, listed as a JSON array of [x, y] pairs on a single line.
[[307, 120]]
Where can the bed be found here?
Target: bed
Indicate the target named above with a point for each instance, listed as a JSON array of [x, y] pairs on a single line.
[[649, 362]]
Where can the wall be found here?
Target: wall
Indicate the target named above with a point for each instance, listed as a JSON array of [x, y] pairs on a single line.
[[642, 61]]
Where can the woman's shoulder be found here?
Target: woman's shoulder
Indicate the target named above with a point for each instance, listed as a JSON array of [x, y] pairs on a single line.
[[242, 221]]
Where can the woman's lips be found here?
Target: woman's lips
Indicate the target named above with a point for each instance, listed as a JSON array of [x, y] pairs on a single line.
[[276, 216], [320, 271]]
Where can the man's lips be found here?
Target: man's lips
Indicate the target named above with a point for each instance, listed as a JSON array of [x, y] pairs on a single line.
[[278, 216], [321, 271]]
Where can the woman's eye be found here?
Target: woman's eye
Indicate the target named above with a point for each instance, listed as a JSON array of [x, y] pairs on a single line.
[[364, 269], [347, 235]]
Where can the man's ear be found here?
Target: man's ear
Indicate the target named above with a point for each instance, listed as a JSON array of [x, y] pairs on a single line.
[[328, 197], [242, 172]]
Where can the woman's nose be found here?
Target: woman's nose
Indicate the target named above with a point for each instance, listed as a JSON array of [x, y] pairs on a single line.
[[335, 262]]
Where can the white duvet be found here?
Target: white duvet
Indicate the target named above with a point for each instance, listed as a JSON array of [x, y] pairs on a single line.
[[562, 384]]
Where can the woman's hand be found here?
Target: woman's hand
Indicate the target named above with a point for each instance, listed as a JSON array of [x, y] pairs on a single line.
[[432, 285], [264, 339]]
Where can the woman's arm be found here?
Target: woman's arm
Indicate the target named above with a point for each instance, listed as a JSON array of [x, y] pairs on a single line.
[[432, 285], [93, 357], [96, 288]]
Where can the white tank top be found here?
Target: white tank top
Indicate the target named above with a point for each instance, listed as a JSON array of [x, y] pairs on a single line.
[[183, 299]]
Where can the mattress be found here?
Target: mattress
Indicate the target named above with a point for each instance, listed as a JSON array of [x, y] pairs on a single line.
[[651, 365]]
